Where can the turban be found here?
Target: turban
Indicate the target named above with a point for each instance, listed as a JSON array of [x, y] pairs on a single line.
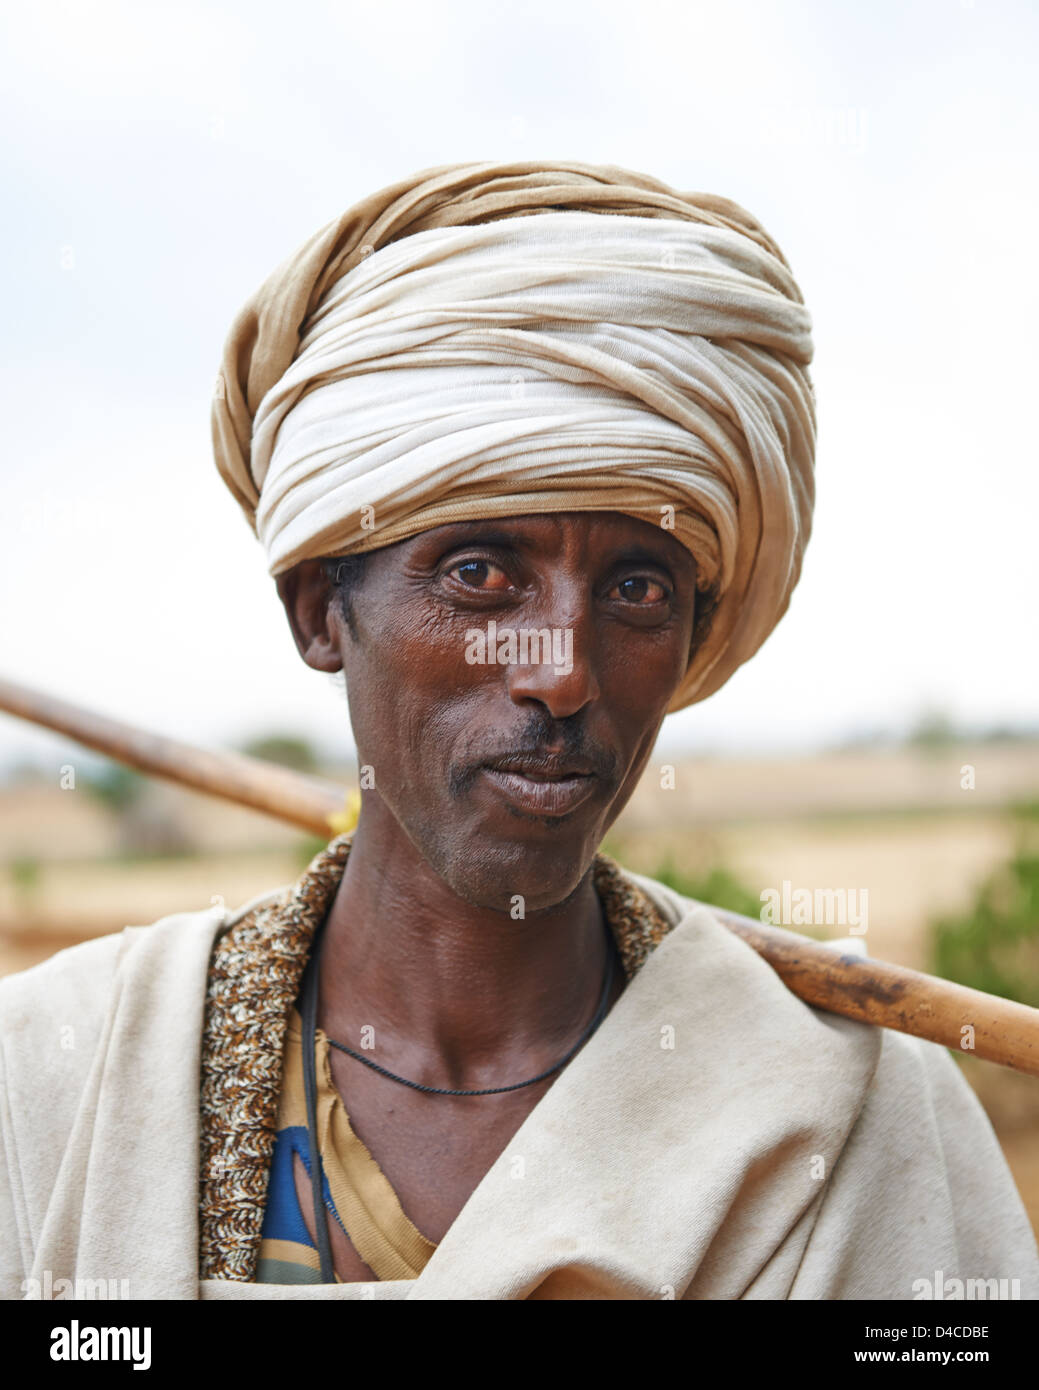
[[486, 340]]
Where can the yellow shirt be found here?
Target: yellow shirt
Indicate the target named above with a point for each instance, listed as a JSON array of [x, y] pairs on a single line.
[[357, 1193]]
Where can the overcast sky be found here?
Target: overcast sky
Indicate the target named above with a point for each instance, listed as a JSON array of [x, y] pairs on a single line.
[[159, 160]]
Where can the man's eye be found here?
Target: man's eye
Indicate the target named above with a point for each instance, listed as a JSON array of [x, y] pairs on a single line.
[[481, 574], [641, 591]]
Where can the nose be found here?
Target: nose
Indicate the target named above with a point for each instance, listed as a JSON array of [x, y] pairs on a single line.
[[559, 666]]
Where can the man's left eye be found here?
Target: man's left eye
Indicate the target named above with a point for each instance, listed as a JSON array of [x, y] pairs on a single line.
[[481, 574], [641, 591]]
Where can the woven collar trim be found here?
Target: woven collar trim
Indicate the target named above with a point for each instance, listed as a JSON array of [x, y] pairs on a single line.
[[254, 978]]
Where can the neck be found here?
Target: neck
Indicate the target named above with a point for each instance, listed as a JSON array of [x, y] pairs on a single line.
[[457, 995]]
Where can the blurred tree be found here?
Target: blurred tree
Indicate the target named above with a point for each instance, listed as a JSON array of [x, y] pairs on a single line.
[[933, 729], [717, 886], [994, 946], [118, 787], [25, 879], [148, 823], [287, 749], [24, 773], [309, 847]]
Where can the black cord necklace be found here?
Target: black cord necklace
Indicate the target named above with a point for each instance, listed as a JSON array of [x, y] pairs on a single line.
[[308, 1011], [518, 1085]]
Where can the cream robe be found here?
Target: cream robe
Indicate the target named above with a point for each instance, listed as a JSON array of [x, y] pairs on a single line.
[[774, 1151]]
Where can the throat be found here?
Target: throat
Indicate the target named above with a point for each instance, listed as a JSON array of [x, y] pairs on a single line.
[[462, 1000]]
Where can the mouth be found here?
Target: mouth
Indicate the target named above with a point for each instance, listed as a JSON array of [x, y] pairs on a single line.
[[542, 786]]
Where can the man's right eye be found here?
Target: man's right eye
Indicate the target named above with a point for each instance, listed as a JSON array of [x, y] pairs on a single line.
[[482, 575]]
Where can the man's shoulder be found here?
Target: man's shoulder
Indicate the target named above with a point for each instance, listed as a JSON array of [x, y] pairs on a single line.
[[903, 1057], [88, 1009], [69, 984], [76, 974], [912, 1071], [79, 973], [898, 1071], [58, 1009]]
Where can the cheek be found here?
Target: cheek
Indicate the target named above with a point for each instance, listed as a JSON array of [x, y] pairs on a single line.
[[408, 686], [639, 672]]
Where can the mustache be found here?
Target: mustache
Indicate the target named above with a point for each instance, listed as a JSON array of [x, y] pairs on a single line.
[[568, 738]]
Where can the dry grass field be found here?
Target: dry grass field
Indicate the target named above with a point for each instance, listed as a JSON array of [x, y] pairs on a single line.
[[898, 824]]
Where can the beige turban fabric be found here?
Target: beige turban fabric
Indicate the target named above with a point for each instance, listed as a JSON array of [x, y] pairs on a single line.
[[505, 339]]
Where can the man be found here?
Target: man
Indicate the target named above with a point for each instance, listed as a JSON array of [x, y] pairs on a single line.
[[530, 449]]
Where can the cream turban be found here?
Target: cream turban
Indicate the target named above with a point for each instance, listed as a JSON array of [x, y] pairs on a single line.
[[441, 354]]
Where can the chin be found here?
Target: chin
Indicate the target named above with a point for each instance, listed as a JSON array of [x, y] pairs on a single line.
[[490, 873]]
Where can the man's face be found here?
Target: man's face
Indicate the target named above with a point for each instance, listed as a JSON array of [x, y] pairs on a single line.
[[506, 774]]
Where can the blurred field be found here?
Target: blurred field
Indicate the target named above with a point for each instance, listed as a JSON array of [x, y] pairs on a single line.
[[897, 823]]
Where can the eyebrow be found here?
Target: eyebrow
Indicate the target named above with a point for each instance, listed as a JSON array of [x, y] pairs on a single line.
[[642, 555], [480, 535], [634, 553]]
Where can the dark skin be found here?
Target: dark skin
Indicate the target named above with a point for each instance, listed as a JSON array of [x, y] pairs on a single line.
[[422, 942]]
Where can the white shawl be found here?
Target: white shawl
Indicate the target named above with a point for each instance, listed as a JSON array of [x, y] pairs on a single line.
[[775, 1151]]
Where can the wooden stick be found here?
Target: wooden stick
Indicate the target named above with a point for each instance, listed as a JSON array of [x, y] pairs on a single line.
[[889, 996], [304, 801], [893, 996]]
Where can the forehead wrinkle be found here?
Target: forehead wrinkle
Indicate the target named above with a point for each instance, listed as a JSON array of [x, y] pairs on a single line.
[[585, 523]]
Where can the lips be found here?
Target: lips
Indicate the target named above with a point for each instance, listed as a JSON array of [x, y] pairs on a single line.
[[542, 786], [544, 767]]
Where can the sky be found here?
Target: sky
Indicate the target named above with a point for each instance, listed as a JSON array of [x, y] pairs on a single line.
[[159, 160]]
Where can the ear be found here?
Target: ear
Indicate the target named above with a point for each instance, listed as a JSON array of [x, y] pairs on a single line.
[[305, 594]]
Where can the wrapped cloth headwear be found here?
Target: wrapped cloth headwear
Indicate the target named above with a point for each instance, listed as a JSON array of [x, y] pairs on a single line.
[[489, 340]]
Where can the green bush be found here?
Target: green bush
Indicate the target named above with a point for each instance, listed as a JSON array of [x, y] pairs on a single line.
[[117, 787], [995, 945], [718, 887], [309, 848], [288, 750], [25, 875]]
